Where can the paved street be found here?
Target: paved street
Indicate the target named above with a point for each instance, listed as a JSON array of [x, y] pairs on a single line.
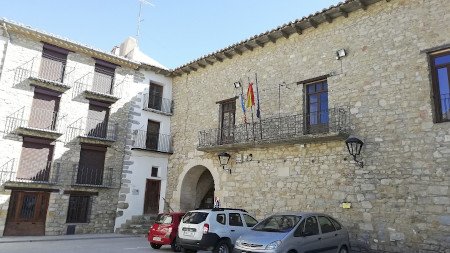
[[98, 245]]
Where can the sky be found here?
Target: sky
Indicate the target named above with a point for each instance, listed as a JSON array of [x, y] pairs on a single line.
[[173, 32]]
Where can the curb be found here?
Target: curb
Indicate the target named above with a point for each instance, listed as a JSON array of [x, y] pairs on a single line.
[[66, 239]]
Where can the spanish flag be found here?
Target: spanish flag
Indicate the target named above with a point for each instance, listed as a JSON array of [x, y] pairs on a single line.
[[250, 96]]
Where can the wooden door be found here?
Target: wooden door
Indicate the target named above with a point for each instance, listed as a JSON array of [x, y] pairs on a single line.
[[317, 114], [152, 135], [26, 213], [152, 191], [91, 165], [228, 112]]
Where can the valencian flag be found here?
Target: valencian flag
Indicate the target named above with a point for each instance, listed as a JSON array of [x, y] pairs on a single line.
[[250, 96]]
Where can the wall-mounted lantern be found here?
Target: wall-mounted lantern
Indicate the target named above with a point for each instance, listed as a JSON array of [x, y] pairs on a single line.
[[340, 54], [354, 146], [223, 160]]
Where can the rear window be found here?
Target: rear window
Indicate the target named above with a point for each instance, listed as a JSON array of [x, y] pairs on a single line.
[[164, 219], [194, 217]]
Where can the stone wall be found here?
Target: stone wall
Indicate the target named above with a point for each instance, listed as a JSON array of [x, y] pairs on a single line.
[[400, 199]]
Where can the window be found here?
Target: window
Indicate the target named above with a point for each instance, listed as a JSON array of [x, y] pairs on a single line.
[[91, 165], [35, 159], [440, 67], [53, 63], [97, 121], [221, 218], [103, 77], [311, 226], [325, 225], [164, 219], [44, 110], [194, 217], [152, 140], [235, 220], [227, 118], [336, 224], [79, 208], [154, 172], [316, 101], [250, 220], [155, 96]]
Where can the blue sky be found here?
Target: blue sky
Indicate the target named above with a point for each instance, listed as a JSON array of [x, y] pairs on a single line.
[[173, 32]]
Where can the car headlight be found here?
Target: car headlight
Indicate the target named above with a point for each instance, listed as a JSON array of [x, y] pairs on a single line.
[[273, 245]]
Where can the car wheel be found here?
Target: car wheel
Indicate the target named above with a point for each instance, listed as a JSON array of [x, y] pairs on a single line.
[[155, 246], [175, 247], [343, 250], [222, 247]]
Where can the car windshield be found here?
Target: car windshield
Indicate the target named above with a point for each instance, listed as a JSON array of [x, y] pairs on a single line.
[[194, 217], [164, 219], [278, 223]]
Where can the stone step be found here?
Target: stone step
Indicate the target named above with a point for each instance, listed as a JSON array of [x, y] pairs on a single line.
[[138, 224]]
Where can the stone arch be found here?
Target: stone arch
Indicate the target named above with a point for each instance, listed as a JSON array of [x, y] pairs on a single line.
[[194, 183]]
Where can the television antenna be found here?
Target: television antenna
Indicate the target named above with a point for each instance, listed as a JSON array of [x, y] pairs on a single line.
[[139, 16]]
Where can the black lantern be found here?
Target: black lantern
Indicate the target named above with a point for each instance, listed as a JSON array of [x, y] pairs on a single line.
[[354, 146], [223, 160]]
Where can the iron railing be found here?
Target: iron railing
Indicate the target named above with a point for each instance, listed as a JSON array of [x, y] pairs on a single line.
[[49, 70], [35, 118], [445, 107], [157, 103], [29, 172], [84, 175], [278, 129], [152, 141], [98, 83], [93, 128]]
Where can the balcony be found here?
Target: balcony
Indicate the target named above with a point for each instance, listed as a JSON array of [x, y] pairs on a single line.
[[155, 142], [98, 86], [296, 129], [29, 173], [54, 75], [35, 122], [92, 131], [87, 176], [158, 104]]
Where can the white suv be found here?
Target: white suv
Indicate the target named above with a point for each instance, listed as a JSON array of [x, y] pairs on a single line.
[[214, 229]]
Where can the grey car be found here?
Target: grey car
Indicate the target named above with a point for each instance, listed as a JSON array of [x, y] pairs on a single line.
[[295, 233]]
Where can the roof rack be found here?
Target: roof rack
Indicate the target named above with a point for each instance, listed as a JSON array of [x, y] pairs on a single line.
[[234, 209]]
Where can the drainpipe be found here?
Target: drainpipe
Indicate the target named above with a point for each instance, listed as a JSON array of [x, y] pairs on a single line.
[[2, 66]]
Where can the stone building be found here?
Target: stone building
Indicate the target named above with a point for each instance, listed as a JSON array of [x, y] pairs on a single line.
[[66, 120], [377, 70]]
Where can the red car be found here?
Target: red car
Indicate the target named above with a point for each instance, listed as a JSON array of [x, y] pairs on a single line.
[[164, 231]]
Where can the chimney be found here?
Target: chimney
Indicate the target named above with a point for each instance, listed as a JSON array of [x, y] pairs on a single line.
[[128, 46]]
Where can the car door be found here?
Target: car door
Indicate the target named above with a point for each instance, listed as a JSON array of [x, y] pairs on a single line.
[[307, 237], [236, 226], [330, 237]]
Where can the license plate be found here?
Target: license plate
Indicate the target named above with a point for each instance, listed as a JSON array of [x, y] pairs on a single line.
[[156, 238], [188, 233]]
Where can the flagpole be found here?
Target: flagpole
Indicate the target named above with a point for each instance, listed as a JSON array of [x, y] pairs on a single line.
[[253, 123], [243, 107], [258, 109]]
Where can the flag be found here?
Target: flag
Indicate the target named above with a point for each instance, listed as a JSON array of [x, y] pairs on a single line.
[[243, 107], [258, 111], [250, 96]]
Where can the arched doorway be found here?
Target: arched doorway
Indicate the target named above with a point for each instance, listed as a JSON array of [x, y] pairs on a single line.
[[197, 189]]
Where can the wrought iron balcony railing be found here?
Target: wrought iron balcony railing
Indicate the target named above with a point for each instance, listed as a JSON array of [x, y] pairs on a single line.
[[158, 103], [445, 107], [98, 83], [50, 70], [152, 141], [92, 128], [84, 175], [286, 129], [29, 172], [35, 119]]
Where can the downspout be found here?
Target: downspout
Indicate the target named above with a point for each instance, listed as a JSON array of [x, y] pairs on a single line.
[[2, 65]]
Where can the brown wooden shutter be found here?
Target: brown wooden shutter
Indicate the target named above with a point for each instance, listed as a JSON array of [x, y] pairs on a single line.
[[97, 122], [91, 165], [152, 135], [53, 63], [155, 96], [44, 109], [35, 159], [103, 77]]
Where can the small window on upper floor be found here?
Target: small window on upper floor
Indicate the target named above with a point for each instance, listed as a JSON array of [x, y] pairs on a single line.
[[154, 172], [440, 71], [104, 77], [53, 63]]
